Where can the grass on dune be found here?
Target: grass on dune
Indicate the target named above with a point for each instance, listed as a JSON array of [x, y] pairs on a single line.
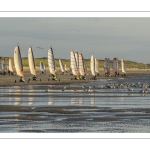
[[129, 64]]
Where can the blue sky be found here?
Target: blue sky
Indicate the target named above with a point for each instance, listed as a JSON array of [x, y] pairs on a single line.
[[127, 38]]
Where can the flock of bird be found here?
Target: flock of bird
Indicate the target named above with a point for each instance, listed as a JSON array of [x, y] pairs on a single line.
[[131, 87]]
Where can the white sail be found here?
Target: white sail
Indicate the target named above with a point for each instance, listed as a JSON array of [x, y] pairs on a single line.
[[84, 65], [73, 63], [41, 66], [61, 66], [51, 62], [4, 65], [93, 65], [65, 68], [18, 62], [77, 60], [10, 65], [123, 66], [81, 65], [107, 65], [31, 61], [55, 68], [0, 63], [115, 66], [96, 66]]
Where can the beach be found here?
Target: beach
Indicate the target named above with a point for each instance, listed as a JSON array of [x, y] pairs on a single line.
[[45, 79], [65, 106]]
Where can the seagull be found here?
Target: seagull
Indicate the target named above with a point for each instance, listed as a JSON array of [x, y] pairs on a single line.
[[145, 91]]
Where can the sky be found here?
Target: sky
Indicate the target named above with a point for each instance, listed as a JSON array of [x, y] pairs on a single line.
[[120, 37]]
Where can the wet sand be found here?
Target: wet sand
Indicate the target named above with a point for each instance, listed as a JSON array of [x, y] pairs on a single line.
[[67, 114], [74, 115]]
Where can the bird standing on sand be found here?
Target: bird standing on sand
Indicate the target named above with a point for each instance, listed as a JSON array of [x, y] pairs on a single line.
[[83, 86], [144, 91]]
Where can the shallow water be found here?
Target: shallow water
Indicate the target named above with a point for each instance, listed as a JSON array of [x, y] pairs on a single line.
[[111, 110]]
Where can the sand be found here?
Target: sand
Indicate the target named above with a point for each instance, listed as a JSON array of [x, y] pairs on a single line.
[[45, 79]]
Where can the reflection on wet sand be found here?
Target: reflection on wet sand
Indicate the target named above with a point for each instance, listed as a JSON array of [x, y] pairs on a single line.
[[74, 101], [75, 109], [31, 101], [10, 101], [50, 101], [17, 101], [80, 101], [92, 101]]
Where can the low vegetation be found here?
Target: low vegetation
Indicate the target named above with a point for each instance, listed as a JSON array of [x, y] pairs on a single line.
[[129, 64]]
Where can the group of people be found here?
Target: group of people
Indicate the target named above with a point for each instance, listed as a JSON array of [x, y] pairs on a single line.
[[4, 72]]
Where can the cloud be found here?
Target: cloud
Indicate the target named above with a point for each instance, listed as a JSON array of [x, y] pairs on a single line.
[[105, 37]]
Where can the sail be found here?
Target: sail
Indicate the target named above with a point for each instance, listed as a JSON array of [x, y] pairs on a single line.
[[65, 68], [81, 65], [96, 66], [0, 63], [18, 62], [31, 61], [41, 66], [73, 63], [84, 64], [115, 66], [44, 67], [55, 68], [51, 62], [77, 60], [123, 66], [107, 65], [10, 65], [4, 65], [93, 65], [61, 66]]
